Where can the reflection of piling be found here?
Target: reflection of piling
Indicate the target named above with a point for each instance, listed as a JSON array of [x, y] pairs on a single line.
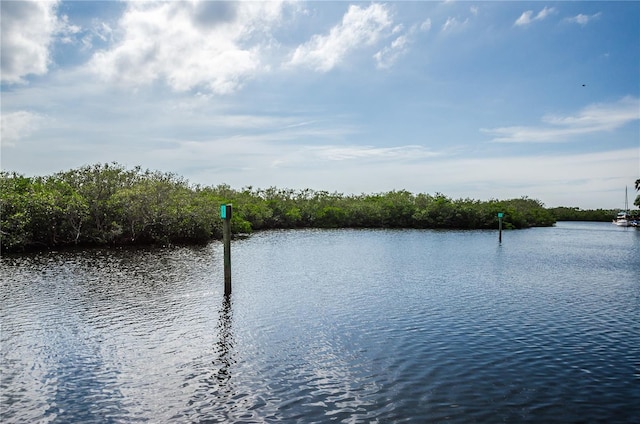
[[225, 214], [500, 215], [224, 347]]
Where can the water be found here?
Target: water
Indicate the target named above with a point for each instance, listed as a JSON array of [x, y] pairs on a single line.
[[339, 325]]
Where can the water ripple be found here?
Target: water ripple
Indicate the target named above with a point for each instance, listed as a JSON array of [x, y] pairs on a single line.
[[346, 326]]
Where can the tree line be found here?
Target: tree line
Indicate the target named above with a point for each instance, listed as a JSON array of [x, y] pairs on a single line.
[[564, 213], [108, 204], [602, 215]]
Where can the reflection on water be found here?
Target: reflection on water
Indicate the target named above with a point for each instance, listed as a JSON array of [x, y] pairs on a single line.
[[215, 386], [224, 346], [349, 326]]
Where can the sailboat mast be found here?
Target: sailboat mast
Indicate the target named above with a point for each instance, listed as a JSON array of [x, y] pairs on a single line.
[[626, 200]]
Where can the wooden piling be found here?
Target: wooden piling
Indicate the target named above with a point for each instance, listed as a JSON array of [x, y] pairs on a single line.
[[500, 215], [225, 214]]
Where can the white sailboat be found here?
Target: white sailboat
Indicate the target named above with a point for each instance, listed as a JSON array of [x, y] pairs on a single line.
[[623, 219]]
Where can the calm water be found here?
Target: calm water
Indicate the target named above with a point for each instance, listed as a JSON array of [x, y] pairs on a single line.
[[344, 325]]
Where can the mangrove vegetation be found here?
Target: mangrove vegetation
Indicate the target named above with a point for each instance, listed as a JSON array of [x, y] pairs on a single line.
[[576, 214], [108, 204]]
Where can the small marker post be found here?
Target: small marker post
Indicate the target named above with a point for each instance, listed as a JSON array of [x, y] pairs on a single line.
[[225, 214], [500, 216]]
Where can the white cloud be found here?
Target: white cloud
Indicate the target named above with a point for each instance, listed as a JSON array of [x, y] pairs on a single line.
[[527, 17], [28, 29], [582, 19], [449, 24], [18, 125], [587, 180], [386, 57], [547, 11], [101, 31], [66, 31], [453, 24], [593, 118], [213, 45], [359, 27], [340, 153], [524, 19], [313, 159]]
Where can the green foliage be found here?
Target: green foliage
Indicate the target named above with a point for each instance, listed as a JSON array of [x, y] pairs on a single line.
[[576, 214], [274, 208], [600, 215], [106, 204]]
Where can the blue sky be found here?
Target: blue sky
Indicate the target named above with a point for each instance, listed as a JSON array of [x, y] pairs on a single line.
[[469, 99]]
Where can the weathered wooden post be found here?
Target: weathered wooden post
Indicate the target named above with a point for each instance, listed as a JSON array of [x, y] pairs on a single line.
[[500, 215], [225, 214]]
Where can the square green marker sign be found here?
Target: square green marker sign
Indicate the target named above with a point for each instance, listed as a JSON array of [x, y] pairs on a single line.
[[226, 211], [500, 215]]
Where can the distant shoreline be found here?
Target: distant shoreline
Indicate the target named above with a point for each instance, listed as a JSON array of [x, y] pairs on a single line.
[[108, 205]]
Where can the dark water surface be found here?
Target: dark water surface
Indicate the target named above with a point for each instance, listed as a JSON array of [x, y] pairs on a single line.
[[344, 325]]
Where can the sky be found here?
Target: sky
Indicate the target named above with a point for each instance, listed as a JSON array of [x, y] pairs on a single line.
[[481, 100]]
